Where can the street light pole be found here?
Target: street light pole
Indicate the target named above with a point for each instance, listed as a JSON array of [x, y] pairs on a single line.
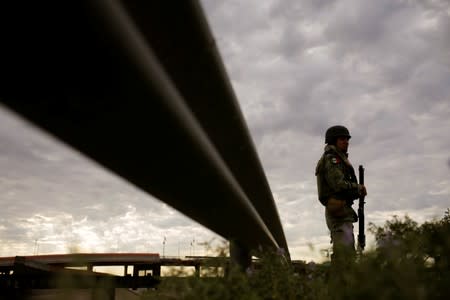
[[164, 247]]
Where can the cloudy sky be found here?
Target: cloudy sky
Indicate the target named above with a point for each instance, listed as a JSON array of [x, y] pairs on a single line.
[[381, 68]]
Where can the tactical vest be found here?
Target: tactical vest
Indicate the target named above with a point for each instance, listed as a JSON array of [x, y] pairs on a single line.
[[337, 163]]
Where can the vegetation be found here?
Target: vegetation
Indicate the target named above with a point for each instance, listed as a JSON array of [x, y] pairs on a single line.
[[410, 261]]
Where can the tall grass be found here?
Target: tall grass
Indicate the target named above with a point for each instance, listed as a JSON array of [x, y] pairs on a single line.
[[409, 262]]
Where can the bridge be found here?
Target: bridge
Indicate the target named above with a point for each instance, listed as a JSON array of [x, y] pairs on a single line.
[[140, 87], [142, 264], [30, 277]]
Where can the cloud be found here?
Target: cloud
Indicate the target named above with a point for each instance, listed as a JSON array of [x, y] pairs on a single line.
[[381, 68], [56, 200]]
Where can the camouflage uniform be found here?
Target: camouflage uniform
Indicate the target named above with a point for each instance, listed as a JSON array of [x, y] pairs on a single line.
[[337, 188]]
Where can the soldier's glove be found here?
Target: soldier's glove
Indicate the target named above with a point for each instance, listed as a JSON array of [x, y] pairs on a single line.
[[362, 190]]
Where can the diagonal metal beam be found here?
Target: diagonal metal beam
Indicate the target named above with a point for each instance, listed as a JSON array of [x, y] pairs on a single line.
[[88, 73], [193, 62]]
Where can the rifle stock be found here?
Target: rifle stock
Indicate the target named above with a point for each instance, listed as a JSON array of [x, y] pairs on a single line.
[[361, 234]]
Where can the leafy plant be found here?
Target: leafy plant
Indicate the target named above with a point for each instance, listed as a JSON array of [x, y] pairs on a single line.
[[411, 261]]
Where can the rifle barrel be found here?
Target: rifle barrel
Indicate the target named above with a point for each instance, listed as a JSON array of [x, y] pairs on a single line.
[[361, 234]]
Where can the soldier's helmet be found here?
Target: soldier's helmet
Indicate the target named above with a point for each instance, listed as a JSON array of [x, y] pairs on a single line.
[[334, 132]]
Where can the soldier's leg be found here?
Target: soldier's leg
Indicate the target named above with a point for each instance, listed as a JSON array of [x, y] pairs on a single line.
[[341, 231], [343, 240], [343, 243], [343, 253]]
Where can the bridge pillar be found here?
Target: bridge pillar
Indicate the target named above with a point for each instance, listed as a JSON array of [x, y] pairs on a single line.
[[156, 271], [197, 270], [240, 255]]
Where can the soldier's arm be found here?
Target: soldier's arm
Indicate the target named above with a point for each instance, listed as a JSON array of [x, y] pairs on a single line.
[[336, 179]]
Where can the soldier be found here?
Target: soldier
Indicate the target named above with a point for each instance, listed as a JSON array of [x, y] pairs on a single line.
[[337, 189]]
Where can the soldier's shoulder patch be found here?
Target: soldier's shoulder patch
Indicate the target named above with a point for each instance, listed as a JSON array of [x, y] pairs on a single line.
[[335, 160]]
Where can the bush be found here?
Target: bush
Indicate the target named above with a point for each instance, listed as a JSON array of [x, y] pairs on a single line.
[[409, 262]]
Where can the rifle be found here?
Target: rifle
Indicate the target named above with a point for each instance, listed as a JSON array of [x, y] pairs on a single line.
[[361, 235]]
